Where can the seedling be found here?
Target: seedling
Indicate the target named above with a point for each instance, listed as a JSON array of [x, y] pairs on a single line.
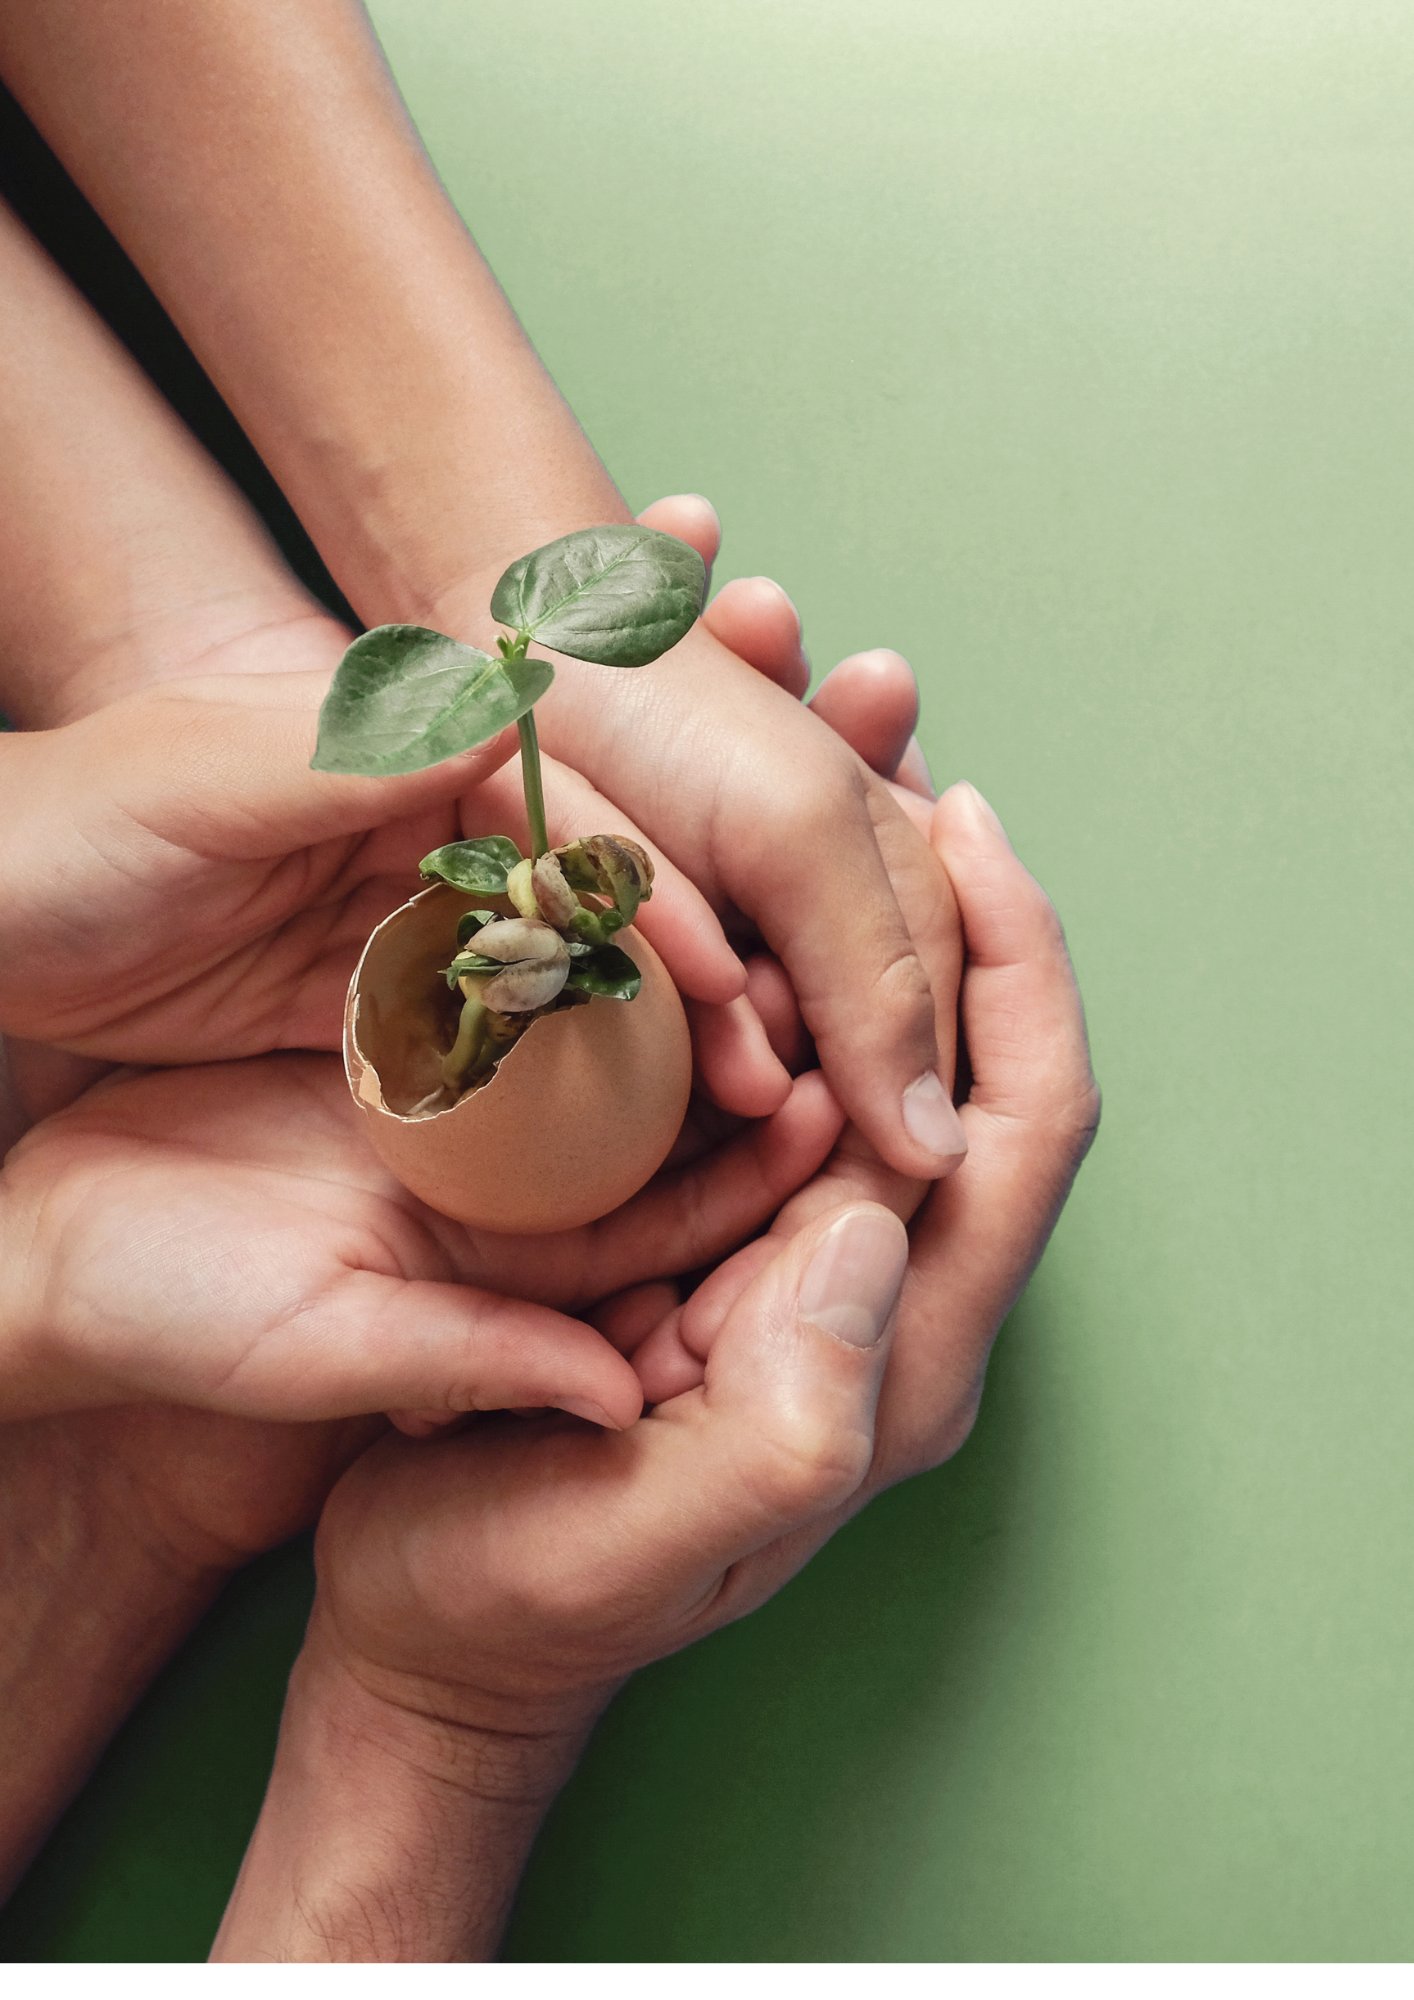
[[404, 698]]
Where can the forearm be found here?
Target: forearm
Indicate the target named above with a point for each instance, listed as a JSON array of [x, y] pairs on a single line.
[[256, 161], [258, 164], [387, 1834], [89, 1610], [129, 555]]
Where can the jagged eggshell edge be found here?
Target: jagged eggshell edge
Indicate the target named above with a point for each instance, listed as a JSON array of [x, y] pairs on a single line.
[[579, 1114]]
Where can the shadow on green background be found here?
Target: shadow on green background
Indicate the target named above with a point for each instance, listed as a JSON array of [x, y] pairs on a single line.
[[1066, 348]]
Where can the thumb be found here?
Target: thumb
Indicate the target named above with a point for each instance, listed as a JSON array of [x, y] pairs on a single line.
[[783, 1429], [221, 767]]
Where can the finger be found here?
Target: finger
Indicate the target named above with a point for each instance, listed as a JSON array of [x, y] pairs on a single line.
[[782, 1431], [220, 767], [677, 920], [1021, 1008], [871, 700], [664, 1364], [929, 908], [1030, 1118], [773, 998], [704, 1314], [694, 1215], [422, 1423], [855, 906], [794, 842], [691, 518], [913, 773], [735, 1064], [916, 807], [854, 1172], [628, 1317], [755, 619]]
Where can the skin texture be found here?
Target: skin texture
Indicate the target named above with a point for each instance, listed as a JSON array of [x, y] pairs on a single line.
[[225, 1237], [481, 1596], [424, 448], [192, 793], [167, 671], [126, 1520], [119, 1528]]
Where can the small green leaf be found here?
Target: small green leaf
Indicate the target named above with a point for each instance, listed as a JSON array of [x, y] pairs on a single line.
[[470, 961], [476, 867], [403, 698], [607, 973], [472, 922], [620, 595], [595, 927]]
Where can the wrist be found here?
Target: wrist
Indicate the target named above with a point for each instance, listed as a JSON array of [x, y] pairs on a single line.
[[395, 1826]]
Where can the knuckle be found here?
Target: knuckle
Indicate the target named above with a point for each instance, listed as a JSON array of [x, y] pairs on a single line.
[[806, 1468], [901, 987], [1074, 1120]]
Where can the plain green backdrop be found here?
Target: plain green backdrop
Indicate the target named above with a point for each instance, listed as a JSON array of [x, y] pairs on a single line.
[[1067, 346]]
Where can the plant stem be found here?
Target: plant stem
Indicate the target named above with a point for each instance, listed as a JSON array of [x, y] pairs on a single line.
[[534, 791]]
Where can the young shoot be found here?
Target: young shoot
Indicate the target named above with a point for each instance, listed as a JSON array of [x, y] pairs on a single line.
[[404, 698]]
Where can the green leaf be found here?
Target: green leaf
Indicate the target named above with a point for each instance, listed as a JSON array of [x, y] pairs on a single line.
[[595, 927], [403, 698], [476, 867], [472, 922], [620, 595], [608, 973], [470, 961]]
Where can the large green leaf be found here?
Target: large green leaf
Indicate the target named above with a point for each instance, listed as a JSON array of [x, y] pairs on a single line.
[[620, 595], [403, 698], [476, 867]]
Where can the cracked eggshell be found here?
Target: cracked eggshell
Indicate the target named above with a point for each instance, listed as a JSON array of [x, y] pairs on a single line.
[[579, 1114]]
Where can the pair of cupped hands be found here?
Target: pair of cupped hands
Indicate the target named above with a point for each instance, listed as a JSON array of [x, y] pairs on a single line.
[[212, 1286]]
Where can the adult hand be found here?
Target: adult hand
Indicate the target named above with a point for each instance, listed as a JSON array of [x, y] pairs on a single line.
[[480, 1597], [225, 1237], [179, 886], [424, 448]]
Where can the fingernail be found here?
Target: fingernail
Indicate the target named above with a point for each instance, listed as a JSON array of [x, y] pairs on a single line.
[[851, 1284], [982, 810], [930, 1117], [591, 1413]]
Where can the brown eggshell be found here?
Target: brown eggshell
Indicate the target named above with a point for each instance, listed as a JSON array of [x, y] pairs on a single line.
[[580, 1112]]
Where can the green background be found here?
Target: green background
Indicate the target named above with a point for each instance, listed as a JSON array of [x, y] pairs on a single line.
[[1068, 348]]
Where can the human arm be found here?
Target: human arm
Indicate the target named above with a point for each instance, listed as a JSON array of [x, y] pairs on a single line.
[[424, 447], [488, 1594], [117, 1529]]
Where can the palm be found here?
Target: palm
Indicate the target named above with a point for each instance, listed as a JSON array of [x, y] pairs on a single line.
[[225, 1236], [205, 908], [545, 1554]]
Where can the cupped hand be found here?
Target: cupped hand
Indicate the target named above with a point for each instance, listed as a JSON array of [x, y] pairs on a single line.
[[225, 1237], [794, 840], [522, 1572], [181, 887]]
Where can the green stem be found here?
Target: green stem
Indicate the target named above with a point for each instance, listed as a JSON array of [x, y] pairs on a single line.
[[461, 1059], [534, 791]]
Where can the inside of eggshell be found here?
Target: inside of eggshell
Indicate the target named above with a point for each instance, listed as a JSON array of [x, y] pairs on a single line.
[[406, 1018]]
